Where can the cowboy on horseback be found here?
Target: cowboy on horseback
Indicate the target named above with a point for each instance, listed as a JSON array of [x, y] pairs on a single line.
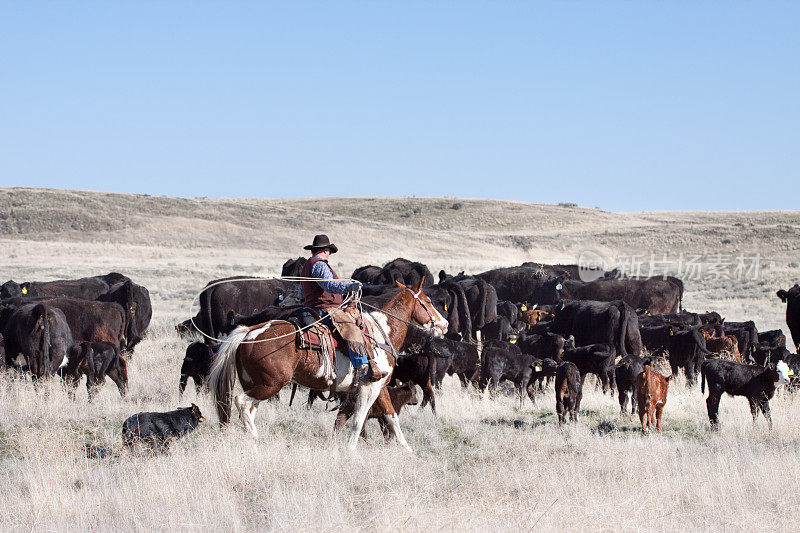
[[325, 296]]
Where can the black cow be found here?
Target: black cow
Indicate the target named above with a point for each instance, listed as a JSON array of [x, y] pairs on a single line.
[[406, 272], [684, 318], [686, 347], [544, 346], [293, 267], [90, 288], [569, 391], [368, 275], [656, 295], [592, 322], [756, 383], [452, 357], [498, 329], [158, 430], [597, 359], [773, 337], [135, 301], [419, 368], [746, 335], [41, 334], [790, 298], [499, 364], [95, 360], [518, 284], [625, 374], [508, 310], [196, 365], [223, 298]]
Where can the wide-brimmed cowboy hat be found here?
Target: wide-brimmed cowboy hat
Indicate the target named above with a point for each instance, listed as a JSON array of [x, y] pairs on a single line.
[[321, 241]]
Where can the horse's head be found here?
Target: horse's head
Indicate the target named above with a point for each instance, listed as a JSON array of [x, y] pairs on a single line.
[[423, 312]]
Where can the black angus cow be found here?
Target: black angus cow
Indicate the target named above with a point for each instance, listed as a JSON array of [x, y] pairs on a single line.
[[518, 284], [756, 383], [498, 329], [419, 368], [135, 301], [625, 374], [452, 357], [764, 353], [509, 311], [593, 322], [95, 360], [569, 390], [402, 270], [655, 295], [113, 287], [684, 318], [223, 298], [792, 300], [498, 365], [293, 267], [746, 335], [773, 337], [196, 365], [597, 359], [88, 320], [481, 298], [187, 329], [368, 275], [544, 346], [90, 288], [686, 348], [40, 333]]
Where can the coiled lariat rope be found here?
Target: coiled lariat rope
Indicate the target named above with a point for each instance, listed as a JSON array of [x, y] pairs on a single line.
[[352, 296]]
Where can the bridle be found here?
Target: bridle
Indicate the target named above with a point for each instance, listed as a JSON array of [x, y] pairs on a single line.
[[431, 323]]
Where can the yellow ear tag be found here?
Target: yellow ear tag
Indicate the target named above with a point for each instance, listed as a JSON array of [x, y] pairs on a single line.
[[524, 307], [671, 333], [512, 341], [24, 290], [539, 369], [445, 307], [791, 372]]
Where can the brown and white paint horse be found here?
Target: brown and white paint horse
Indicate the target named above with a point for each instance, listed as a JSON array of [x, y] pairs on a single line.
[[265, 367]]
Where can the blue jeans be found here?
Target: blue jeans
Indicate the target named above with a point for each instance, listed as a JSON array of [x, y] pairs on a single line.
[[357, 359]]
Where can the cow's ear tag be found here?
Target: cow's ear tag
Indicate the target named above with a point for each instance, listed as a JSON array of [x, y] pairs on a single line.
[[559, 287], [24, 290], [671, 333], [512, 341], [791, 372], [445, 307], [539, 369], [524, 307]]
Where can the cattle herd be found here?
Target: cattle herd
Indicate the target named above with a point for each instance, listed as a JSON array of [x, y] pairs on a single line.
[[527, 325]]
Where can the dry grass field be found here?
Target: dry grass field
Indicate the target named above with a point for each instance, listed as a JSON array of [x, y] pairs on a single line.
[[480, 463]]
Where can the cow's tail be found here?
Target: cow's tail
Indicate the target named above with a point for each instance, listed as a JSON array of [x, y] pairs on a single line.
[[463, 309], [222, 378], [702, 379], [41, 312], [700, 340], [623, 328]]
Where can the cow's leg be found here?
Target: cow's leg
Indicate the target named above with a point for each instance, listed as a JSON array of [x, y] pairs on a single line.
[[659, 411], [182, 383], [623, 401], [690, 375], [712, 404], [560, 410], [766, 411], [753, 408]]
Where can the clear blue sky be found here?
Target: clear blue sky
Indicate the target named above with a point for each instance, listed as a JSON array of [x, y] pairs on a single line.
[[623, 105]]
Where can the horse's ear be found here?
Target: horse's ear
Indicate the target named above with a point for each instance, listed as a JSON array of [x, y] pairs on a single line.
[[419, 285], [400, 284]]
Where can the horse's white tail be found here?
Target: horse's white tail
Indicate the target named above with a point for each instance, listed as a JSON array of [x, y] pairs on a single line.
[[222, 378]]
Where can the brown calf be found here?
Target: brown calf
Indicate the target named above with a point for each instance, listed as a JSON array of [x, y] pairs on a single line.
[[651, 392], [400, 395], [533, 316], [724, 344]]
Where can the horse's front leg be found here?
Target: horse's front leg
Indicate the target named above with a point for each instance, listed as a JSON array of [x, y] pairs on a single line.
[[365, 397]]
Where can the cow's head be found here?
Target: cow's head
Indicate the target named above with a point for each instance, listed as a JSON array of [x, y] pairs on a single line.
[[10, 289], [791, 294], [549, 291], [784, 373]]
